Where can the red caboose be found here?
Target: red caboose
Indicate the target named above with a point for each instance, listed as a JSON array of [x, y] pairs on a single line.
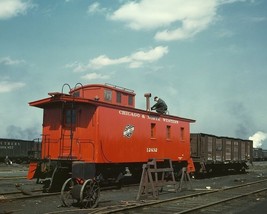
[[96, 131]]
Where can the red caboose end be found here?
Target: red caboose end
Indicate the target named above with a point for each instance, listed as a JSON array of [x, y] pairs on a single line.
[[96, 131]]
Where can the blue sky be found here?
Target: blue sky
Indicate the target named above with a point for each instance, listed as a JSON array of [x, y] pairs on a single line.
[[206, 59]]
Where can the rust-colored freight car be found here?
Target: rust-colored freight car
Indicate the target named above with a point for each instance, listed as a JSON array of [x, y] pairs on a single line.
[[259, 154], [212, 153], [18, 151]]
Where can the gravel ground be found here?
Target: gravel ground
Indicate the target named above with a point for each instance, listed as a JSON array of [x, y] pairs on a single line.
[[52, 204]]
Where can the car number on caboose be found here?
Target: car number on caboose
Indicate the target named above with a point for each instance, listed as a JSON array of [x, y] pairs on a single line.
[[151, 149]]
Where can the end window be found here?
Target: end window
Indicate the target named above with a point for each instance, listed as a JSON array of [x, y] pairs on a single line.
[[153, 130], [168, 132], [70, 117], [130, 100], [108, 95], [118, 97], [182, 133]]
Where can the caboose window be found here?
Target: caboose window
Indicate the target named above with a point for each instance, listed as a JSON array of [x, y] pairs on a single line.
[[108, 95], [70, 117], [118, 97], [76, 94], [168, 131], [130, 100], [182, 133], [153, 130]]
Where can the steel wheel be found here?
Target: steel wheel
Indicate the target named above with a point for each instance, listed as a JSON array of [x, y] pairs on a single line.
[[90, 193], [66, 195]]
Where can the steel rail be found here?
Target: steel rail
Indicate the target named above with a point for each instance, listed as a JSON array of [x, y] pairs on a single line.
[[19, 192], [137, 205], [30, 196], [221, 201], [11, 178]]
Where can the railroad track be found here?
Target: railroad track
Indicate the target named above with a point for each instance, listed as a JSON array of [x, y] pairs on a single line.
[[24, 194], [12, 178], [203, 201], [206, 201]]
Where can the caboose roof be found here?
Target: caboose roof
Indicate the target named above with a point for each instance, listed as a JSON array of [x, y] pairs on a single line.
[[57, 98]]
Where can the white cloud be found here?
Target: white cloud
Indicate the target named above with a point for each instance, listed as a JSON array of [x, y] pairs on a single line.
[[134, 60], [151, 55], [93, 76], [190, 27], [103, 60], [12, 8], [77, 67], [174, 20], [6, 86], [143, 15], [9, 61], [95, 8], [258, 139], [135, 64]]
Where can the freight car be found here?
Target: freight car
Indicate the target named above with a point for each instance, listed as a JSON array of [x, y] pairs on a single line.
[[18, 151], [94, 134], [259, 154], [214, 154]]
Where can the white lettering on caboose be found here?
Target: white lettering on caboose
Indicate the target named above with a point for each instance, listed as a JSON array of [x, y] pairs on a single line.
[[170, 120], [127, 113], [152, 150], [152, 117]]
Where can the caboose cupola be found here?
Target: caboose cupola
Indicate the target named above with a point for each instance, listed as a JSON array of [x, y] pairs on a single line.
[[107, 93]]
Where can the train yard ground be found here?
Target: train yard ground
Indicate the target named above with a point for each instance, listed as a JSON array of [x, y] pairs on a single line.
[[31, 200]]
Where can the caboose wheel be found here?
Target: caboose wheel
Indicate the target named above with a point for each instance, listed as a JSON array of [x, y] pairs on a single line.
[[89, 195], [66, 194]]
